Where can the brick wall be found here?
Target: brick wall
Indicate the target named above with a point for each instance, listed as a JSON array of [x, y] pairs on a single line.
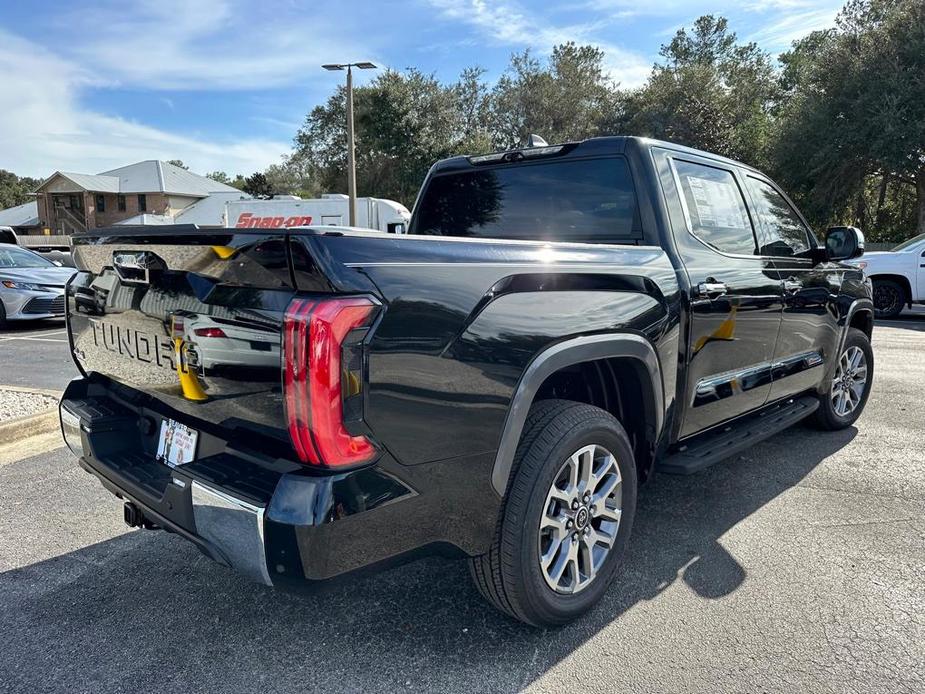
[[156, 203]]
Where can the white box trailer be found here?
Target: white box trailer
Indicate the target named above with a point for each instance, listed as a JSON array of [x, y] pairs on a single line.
[[329, 210]]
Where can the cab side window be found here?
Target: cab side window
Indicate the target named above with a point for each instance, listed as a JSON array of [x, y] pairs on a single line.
[[715, 208], [781, 231]]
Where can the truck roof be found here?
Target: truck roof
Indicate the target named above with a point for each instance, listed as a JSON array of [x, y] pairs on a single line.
[[612, 144]]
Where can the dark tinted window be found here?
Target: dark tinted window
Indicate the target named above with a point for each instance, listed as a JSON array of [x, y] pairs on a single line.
[[782, 230], [716, 208], [579, 200]]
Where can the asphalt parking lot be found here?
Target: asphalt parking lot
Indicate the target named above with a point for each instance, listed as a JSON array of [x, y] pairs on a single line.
[[34, 354], [795, 567]]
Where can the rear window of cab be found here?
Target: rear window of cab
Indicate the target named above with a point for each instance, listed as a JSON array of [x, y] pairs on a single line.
[[580, 200]]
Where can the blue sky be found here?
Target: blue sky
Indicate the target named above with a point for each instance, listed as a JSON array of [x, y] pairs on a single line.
[[87, 85]]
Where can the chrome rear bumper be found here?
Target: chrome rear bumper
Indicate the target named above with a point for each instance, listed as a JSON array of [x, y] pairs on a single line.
[[227, 528], [234, 528]]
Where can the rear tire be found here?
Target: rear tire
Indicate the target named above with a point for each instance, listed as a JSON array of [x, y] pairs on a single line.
[[832, 414], [2, 316], [889, 298], [510, 574]]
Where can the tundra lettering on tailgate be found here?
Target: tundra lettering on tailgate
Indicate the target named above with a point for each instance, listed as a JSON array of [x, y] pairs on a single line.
[[151, 349]]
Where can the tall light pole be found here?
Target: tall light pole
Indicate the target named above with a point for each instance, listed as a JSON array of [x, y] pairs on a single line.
[[351, 152]]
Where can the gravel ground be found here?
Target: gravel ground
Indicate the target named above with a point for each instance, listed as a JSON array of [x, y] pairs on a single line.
[[15, 404], [794, 567]]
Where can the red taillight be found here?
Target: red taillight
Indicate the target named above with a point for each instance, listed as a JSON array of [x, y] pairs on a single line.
[[209, 332], [313, 335]]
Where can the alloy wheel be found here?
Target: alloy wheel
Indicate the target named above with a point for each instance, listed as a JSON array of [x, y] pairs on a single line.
[[849, 382], [580, 520]]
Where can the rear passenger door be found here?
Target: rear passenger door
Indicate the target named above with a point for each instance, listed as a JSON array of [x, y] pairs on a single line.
[[809, 328], [734, 297]]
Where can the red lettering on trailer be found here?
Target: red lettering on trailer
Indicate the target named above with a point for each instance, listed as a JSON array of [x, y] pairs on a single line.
[[246, 220]]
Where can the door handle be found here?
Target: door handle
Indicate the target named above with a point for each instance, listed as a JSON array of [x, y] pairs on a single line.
[[792, 285], [711, 288]]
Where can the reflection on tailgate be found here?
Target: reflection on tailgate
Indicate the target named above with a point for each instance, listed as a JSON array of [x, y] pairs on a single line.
[[133, 344], [197, 330]]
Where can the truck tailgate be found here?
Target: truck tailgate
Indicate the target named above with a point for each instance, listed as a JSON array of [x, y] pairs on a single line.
[[191, 319]]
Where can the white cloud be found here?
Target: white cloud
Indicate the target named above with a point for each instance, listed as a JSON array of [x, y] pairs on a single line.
[[779, 34], [44, 127], [784, 20], [211, 45], [766, 5], [207, 44], [663, 8], [509, 24]]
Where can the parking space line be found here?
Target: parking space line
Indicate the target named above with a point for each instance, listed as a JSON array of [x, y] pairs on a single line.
[[32, 339], [58, 331], [33, 335]]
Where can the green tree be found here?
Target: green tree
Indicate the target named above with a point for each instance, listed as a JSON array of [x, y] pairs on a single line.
[[709, 92], [220, 177], [16, 190], [852, 140], [570, 97], [404, 121], [237, 182], [292, 176], [257, 185], [840, 120], [178, 162]]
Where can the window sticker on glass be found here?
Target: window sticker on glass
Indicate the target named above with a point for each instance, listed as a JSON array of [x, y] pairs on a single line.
[[716, 209], [716, 203]]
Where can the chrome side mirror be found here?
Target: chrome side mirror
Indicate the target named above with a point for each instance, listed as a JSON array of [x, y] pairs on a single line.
[[844, 243]]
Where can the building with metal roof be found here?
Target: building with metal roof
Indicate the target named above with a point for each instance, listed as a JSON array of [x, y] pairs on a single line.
[[70, 202], [21, 217], [162, 177]]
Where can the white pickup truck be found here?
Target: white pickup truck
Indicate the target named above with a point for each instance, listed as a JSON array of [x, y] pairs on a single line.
[[898, 276]]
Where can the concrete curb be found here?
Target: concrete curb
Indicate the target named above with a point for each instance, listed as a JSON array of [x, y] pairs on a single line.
[[39, 391], [31, 425]]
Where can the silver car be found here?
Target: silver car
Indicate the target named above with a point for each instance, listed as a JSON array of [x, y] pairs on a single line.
[[30, 286]]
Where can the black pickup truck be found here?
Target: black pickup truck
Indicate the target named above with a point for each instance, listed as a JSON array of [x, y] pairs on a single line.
[[559, 323]]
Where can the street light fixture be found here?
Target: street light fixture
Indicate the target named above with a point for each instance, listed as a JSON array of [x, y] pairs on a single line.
[[351, 153]]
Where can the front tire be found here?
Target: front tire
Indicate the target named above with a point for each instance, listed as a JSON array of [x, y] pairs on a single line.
[[850, 386], [566, 519], [889, 298]]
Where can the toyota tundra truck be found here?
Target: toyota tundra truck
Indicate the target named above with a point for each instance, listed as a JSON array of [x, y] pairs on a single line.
[[559, 324]]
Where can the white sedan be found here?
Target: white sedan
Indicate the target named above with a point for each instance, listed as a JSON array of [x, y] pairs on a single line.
[[31, 287], [898, 276]]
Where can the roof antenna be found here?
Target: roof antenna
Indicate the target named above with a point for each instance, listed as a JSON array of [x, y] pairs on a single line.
[[536, 141]]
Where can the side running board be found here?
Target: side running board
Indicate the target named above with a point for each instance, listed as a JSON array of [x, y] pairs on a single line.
[[734, 438]]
